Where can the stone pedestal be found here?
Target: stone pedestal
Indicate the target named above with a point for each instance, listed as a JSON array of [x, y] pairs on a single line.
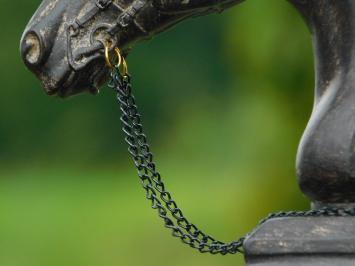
[[309, 241]]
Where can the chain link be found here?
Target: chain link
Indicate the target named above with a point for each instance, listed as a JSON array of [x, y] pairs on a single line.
[[161, 199]]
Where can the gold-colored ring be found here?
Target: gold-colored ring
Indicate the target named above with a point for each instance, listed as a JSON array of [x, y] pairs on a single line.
[[124, 71], [108, 59], [121, 64]]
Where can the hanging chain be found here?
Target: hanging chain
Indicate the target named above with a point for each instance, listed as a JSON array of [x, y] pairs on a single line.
[[160, 198]]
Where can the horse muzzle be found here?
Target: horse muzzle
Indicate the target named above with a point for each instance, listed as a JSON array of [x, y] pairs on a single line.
[[32, 48], [66, 61]]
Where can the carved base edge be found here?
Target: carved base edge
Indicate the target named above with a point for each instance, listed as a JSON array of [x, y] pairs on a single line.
[[318, 205], [308, 241]]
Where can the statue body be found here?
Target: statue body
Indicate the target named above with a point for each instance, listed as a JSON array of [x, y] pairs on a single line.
[[63, 45]]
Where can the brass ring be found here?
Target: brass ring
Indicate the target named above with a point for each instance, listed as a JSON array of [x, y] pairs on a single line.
[[124, 71], [108, 60], [121, 65]]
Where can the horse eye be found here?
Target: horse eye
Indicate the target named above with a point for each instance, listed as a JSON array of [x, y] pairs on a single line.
[[32, 48]]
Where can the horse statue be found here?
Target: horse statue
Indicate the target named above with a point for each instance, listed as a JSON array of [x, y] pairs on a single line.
[[63, 45]]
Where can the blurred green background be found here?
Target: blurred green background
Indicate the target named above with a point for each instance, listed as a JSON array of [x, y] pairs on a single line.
[[225, 99]]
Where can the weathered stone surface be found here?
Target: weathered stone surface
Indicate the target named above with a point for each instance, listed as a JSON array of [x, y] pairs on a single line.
[[316, 241], [325, 260]]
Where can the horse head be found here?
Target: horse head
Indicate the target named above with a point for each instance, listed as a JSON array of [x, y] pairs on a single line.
[[64, 41]]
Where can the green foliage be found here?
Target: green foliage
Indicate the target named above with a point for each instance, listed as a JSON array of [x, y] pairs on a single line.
[[225, 99]]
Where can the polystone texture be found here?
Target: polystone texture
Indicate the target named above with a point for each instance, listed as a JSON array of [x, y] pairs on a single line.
[[308, 241]]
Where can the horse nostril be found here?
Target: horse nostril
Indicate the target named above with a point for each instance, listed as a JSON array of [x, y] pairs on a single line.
[[31, 48]]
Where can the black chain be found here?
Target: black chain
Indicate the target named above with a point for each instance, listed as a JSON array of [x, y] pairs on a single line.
[[156, 192]]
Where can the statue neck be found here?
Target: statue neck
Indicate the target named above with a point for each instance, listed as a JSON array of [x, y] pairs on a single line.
[[332, 24], [326, 155]]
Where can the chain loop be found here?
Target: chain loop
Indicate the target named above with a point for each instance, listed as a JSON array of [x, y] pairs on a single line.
[[160, 198]]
